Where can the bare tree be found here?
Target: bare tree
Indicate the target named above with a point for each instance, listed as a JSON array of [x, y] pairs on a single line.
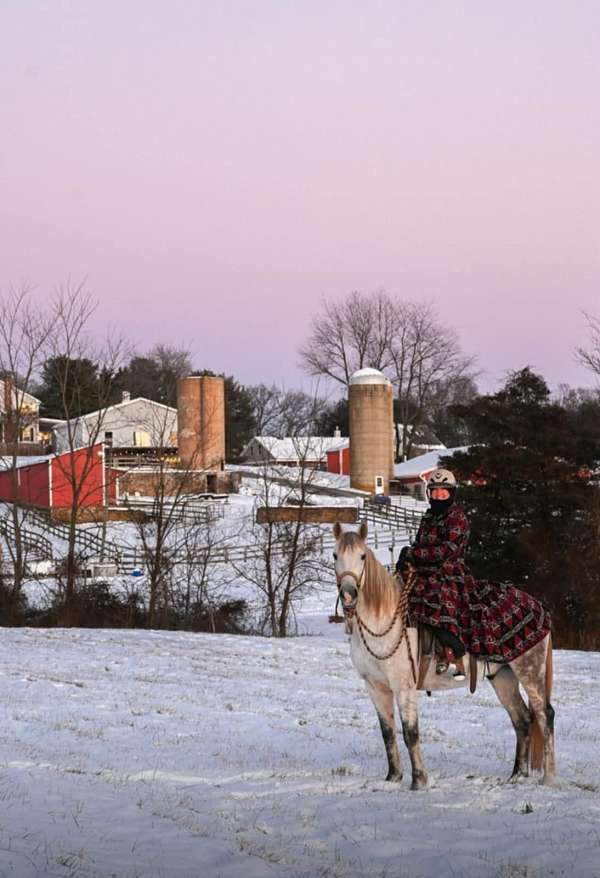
[[425, 353], [70, 342], [590, 356], [285, 563], [171, 363], [280, 412], [444, 395], [198, 584], [266, 406], [172, 523], [407, 341], [349, 335], [24, 330]]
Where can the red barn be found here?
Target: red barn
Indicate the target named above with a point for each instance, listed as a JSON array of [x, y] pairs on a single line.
[[338, 459], [47, 482]]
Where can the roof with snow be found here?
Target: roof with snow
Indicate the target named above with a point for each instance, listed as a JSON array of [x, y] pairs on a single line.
[[94, 416], [369, 376], [297, 447], [422, 436], [420, 467], [7, 461]]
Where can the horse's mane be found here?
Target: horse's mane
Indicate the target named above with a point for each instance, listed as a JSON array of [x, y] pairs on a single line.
[[379, 590]]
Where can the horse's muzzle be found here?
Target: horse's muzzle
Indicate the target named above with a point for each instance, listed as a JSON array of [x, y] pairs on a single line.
[[348, 595]]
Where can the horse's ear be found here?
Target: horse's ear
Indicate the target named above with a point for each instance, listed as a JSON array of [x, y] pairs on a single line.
[[337, 530], [363, 530]]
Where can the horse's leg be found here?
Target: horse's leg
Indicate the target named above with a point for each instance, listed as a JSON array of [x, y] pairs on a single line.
[[407, 704], [506, 687], [534, 670], [383, 700]]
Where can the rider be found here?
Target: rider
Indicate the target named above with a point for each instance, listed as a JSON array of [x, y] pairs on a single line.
[[437, 555]]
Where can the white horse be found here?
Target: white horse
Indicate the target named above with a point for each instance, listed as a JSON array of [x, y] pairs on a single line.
[[385, 654]]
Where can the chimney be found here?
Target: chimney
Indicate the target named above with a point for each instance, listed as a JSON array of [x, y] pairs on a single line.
[[125, 396], [8, 401], [337, 433]]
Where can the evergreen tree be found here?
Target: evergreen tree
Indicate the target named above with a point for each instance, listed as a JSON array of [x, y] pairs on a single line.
[[80, 380], [532, 505], [154, 375], [336, 415], [240, 425]]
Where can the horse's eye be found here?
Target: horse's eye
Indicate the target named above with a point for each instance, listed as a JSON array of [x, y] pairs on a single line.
[[363, 557], [335, 555]]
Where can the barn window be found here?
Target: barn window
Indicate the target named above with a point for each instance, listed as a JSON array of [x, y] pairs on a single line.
[[141, 438]]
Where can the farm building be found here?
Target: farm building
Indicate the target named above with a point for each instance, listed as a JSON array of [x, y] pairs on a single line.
[[338, 457], [308, 451], [10, 399], [410, 476], [131, 423], [47, 482]]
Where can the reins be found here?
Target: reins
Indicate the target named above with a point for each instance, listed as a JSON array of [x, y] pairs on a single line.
[[400, 613]]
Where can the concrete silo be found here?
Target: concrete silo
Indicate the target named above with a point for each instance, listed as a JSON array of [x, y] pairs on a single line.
[[201, 422], [371, 414]]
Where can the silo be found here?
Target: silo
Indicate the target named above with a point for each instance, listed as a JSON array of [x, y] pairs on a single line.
[[212, 422], [201, 422], [371, 414]]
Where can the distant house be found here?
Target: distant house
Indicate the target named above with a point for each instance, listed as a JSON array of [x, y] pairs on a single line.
[[132, 423], [292, 451], [12, 399], [410, 476]]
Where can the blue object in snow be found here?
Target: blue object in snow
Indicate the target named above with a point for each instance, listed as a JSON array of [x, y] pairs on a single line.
[[137, 572]]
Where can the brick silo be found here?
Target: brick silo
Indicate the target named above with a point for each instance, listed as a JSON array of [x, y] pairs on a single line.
[[371, 414], [201, 422]]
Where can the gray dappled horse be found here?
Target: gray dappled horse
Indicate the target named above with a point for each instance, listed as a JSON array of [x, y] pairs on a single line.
[[384, 652]]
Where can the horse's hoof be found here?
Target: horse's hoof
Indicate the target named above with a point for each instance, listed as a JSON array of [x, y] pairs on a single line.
[[394, 778], [419, 782], [516, 776]]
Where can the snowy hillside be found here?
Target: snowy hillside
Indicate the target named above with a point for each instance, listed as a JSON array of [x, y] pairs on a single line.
[[133, 753]]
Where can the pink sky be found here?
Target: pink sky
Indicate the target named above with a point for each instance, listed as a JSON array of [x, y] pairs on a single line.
[[214, 168]]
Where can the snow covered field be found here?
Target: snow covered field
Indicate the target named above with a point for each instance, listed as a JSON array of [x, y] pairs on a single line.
[[132, 753]]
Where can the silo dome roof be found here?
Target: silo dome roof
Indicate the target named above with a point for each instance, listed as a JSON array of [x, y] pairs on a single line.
[[369, 376]]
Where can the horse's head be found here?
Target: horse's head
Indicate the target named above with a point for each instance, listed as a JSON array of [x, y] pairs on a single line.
[[350, 562]]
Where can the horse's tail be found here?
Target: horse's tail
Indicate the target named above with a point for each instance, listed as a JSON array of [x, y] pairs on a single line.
[[537, 736], [549, 670]]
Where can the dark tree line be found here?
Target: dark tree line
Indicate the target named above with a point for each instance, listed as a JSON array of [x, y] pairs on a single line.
[[530, 489]]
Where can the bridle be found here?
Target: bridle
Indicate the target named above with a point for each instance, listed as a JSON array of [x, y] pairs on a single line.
[[401, 613], [350, 609]]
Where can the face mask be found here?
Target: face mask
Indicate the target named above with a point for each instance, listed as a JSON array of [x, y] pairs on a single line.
[[438, 506]]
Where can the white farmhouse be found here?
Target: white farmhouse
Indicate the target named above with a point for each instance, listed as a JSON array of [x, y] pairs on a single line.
[[12, 399]]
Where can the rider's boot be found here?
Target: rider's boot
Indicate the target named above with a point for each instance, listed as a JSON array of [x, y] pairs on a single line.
[[451, 665], [459, 673]]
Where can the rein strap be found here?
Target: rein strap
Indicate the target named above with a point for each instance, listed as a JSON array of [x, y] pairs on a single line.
[[401, 612]]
